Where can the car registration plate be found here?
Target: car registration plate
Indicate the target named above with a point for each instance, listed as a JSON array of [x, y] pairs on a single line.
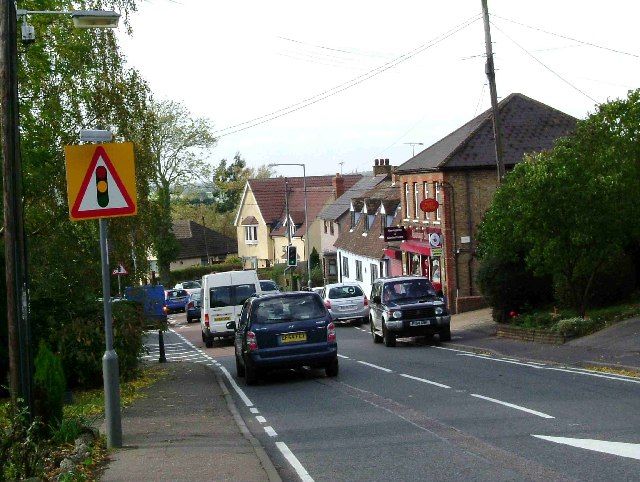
[[293, 337], [420, 322], [221, 318]]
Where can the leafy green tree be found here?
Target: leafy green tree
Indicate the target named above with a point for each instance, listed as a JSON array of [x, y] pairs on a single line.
[[229, 180], [314, 258], [574, 208], [177, 143]]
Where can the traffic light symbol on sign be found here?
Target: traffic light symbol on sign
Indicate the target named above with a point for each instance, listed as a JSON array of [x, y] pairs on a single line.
[[102, 187], [292, 256]]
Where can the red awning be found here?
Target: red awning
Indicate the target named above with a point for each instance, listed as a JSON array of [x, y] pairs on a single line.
[[392, 253], [413, 246]]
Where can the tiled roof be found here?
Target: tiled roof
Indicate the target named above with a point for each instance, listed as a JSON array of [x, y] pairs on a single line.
[[249, 221], [527, 126], [332, 211], [270, 193], [372, 245], [191, 239], [317, 197]]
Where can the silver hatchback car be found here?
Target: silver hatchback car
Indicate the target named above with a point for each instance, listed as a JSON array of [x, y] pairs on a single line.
[[346, 302]]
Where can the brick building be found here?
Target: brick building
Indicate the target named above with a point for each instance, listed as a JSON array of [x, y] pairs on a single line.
[[459, 171]]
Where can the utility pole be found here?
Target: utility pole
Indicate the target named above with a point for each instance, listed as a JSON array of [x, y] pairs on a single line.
[[14, 239], [288, 228], [204, 233], [491, 75]]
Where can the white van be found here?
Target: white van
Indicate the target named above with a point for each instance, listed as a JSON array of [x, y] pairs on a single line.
[[223, 295]]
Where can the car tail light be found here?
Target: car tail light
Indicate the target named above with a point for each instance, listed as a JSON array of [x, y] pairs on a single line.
[[206, 320], [252, 344], [331, 333], [165, 309], [327, 304], [366, 301]]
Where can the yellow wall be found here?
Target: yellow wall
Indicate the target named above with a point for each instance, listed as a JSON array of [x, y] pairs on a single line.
[[264, 249]]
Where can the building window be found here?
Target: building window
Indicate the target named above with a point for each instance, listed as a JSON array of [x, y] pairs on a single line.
[[425, 187], [325, 227], [331, 227], [345, 267], [437, 191], [332, 267], [406, 200], [374, 272], [416, 200], [251, 234], [358, 270]]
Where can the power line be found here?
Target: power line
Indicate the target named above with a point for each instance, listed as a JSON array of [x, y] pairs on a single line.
[[566, 37], [350, 52], [545, 65], [345, 85]]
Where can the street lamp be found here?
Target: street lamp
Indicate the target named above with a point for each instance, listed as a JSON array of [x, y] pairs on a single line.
[[306, 220], [14, 236]]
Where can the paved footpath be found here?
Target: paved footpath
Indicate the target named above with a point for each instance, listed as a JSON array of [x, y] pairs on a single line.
[[185, 430]]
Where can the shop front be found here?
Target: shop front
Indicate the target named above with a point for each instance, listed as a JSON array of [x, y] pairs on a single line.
[[423, 256]]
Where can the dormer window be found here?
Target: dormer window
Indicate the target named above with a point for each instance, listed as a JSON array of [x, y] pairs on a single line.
[[369, 221]]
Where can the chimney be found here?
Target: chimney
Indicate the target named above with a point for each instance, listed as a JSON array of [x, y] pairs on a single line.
[[338, 185], [381, 166]]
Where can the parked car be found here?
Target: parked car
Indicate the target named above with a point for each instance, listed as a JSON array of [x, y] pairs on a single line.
[[268, 286], [175, 300], [407, 306], [190, 286], [319, 290], [346, 302], [222, 299], [285, 330], [194, 306]]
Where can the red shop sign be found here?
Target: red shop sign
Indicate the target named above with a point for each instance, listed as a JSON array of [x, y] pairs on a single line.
[[429, 205]]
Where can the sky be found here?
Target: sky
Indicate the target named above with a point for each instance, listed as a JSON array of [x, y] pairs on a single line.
[[235, 61]]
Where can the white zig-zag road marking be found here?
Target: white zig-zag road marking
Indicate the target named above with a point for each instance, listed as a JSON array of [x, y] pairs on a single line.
[[622, 449], [424, 380], [511, 405], [378, 367]]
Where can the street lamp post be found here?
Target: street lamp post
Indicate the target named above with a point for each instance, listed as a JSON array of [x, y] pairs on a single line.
[[306, 219], [14, 235]]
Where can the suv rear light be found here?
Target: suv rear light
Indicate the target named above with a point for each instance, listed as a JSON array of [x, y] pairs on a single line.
[[252, 344], [190, 305], [165, 309], [206, 320], [327, 304], [366, 301], [331, 333]]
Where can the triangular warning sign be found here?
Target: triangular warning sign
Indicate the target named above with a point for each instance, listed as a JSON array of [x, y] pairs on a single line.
[[102, 192]]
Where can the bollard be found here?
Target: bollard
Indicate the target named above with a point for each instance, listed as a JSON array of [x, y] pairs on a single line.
[[163, 358]]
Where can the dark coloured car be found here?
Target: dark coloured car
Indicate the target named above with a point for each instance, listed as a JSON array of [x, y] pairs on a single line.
[[407, 306], [285, 330], [175, 301], [193, 307]]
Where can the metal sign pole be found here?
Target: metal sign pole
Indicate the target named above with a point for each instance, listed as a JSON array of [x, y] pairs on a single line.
[[119, 287], [110, 372]]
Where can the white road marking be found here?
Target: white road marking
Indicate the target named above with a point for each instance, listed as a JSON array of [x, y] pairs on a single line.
[[261, 419], [254, 410], [595, 374], [270, 431], [343, 356], [511, 405], [424, 380], [622, 449], [375, 366], [295, 463], [501, 360], [452, 349]]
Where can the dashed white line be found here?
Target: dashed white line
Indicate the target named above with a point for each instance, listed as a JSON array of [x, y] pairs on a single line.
[[342, 356], [295, 463], [270, 431], [261, 419], [375, 366], [501, 360], [594, 374], [452, 349], [254, 410], [511, 405], [424, 380]]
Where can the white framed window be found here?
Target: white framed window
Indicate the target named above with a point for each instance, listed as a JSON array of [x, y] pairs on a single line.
[[406, 200], [416, 201], [374, 272], [425, 188], [251, 234], [438, 198], [345, 266], [358, 270]]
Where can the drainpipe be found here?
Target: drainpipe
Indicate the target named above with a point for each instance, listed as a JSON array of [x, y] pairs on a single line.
[[467, 179]]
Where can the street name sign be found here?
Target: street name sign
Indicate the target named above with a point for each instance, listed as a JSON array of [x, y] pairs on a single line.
[[101, 180], [395, 233]]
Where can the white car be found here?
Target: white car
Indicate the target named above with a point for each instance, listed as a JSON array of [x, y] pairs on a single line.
[[346, 302], [190, 287]]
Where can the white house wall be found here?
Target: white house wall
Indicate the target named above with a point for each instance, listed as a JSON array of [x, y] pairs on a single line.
[[366, 269]]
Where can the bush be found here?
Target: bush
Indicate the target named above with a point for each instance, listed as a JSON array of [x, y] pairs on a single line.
[[317, 276], [314, 259], [507, 285], [197, 272], [49, 387], [22, 450], [81, 342]]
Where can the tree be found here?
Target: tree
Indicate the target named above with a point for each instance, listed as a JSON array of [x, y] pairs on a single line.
[[573, 209], [177, 144], [229, 181]]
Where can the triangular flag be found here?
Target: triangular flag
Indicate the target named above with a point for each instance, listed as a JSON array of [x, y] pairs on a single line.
[[102, 192]]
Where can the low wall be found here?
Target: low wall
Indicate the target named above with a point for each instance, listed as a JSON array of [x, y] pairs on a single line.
[[528, 334], [470, 303]]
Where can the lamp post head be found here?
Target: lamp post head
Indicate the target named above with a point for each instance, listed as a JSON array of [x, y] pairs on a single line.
[[95, 18]]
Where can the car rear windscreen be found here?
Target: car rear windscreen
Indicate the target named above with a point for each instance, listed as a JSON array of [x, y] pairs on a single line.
[[190, 285], [288, 308], [339, 292], [268, 286], [222, 296], [173, 294]]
